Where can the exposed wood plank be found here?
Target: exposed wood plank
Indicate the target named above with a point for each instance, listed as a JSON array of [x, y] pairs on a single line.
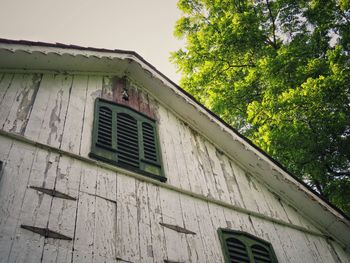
[[343, 255], [54, 254], [231, 181], [290, 247], [36, 206], [55, 115], [39, 107], [106, 183], [217, 172], [195, 245], [105, 230], [6, 145], [85, 229], [28, 248], [48, 115], [244, 187], [93, 91], [258, 192], [127, 236], [157, 231], [144, 224], [89, 179], [13, 184], [317, 248], [13, 193], [11, 100], [178, 159], [268, 232], [167, 147], [20, 109], [194, 175], [204, 162], [172, 214], [82, 257], [75, 115], [69, 176], [5, 82], [208, 233], [63, 212]]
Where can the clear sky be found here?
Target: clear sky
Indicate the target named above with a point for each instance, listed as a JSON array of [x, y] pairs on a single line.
[[144, 26]]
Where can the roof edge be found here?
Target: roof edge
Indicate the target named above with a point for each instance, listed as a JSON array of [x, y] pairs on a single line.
[[215, 116]]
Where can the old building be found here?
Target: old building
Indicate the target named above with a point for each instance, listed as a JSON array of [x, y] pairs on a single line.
[[104, 159]]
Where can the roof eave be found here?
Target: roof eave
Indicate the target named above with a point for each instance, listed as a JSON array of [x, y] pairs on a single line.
[[27, 55]]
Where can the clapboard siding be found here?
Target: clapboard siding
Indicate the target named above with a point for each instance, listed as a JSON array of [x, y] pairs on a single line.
[[116, 217]]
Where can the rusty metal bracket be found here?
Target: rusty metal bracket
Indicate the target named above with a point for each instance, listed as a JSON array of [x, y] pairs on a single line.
[[53, 193], [178, 229], [47, 233]]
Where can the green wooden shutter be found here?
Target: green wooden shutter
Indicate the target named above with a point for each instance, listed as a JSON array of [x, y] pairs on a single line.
[[237, 251], [127, 138], [150, 161], [261, 254], [103, 136], [149, 142], [104, 127], [243, 247]]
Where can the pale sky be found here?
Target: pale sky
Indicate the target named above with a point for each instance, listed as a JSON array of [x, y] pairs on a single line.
[[144, 26]]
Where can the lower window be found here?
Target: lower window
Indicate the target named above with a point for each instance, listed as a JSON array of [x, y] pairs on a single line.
[[241, 247]]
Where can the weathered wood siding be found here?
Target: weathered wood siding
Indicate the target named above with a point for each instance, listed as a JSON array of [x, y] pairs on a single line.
[[116, 217]]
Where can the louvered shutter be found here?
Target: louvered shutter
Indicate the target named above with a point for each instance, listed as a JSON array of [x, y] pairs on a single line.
[[260, 254], [149, 143], [103, 136], [242, 247], [127, 138], [237, 251], [128, 141], [150, 161], [104, 127]]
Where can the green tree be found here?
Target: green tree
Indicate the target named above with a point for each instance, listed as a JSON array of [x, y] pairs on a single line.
[[279, 72]]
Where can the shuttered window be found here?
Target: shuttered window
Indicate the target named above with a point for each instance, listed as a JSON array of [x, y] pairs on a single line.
[[126, 138], [241, 247]]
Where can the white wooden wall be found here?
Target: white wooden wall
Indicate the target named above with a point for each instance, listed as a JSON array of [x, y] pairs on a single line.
[[116, 217]]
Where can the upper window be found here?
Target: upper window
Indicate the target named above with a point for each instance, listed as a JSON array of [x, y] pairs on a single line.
[[126, 138], [241, 247]]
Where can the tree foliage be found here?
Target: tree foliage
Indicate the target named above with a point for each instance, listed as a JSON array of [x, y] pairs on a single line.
[[279, 72]]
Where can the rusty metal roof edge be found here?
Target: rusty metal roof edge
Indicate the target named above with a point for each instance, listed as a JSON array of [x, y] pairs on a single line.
[[136, 55]]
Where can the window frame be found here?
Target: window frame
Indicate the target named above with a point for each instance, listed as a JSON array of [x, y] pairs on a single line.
[[110, 154], [248, 240]]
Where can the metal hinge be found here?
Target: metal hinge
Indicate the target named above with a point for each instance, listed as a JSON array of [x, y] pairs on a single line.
[[178, 229], [47, 233], [53, 193]]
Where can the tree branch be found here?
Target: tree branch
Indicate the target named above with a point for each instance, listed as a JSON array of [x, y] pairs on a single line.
[[273, 20]]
